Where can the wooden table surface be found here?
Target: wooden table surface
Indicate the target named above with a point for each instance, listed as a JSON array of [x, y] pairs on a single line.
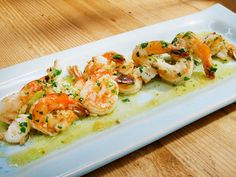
[[30, 29]]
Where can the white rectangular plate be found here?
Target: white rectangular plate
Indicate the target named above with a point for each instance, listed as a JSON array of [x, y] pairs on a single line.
[[97, 150]]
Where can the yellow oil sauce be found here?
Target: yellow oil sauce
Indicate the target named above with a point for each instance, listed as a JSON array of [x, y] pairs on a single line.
[[151, 95]]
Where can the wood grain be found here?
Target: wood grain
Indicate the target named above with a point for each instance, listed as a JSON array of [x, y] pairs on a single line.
[[30, 29]]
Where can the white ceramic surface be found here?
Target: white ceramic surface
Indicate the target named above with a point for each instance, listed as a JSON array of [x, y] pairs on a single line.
[[97, 150]]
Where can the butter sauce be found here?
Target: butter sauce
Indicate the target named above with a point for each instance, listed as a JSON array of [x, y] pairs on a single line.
[[153, 94]]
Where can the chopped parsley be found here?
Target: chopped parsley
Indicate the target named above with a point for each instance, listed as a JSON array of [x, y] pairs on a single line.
[[124, 67], [41, 112], [81, 99], [75, 95], [98, 83], [114, 91], [164, 44], [188, 34], [60, 127], [47, 118], [110, 84], [117, 121], [213, 69], [38, 81], [137, 54], [179, 74], [125, 100], [174, 40], [30, 116], [216, 38], [23, 126], [188, 58], [143, 45], [180, 51], [54, 84], [196, 62], [186, 78], [140, 69], [117, 56], [22, 129], [57, 72]]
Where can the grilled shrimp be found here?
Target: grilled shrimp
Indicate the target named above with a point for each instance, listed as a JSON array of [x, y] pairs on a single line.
[[121, 64], [21, 101], [142, 57], [149, 57], [220, 47], [16, 103], [174, 71], [129, 84], [98, 64], [196, 47], [142, 52], [18, 130], [110, 62], [100, 94], [55, 112], [128, 80]]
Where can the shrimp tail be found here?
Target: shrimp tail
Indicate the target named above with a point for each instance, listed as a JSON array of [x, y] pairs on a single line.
[[204, 53], [80, 111], [231, 51]]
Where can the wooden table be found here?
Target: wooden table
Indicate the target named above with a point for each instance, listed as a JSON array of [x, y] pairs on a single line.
[[29, 29]]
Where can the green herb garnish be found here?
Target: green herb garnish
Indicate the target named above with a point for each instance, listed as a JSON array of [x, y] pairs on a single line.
[[140, 69], [188, 34], [174, 40], [57, 72], [110, 84], [196, 62], [47, 118], [30, 116], [114, 91], [54, 84], [126, 100], [23, 126], [22, 129], [164, 44], [186, 78], [98, 83], [117, 56], [213, 69], [143, 45]]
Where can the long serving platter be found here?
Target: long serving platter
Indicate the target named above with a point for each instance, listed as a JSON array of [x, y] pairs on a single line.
[[94, 151]]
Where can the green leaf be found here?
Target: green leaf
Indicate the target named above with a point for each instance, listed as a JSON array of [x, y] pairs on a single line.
[[144, 45]]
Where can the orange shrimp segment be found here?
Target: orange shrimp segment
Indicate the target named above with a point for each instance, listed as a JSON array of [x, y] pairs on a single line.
[[122, 65], [204, 53], [143, 51], [113, 56], [100, 94], [55, 112], [196, 46]]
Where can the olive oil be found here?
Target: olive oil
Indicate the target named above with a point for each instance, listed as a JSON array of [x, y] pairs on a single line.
[[152, 94]]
